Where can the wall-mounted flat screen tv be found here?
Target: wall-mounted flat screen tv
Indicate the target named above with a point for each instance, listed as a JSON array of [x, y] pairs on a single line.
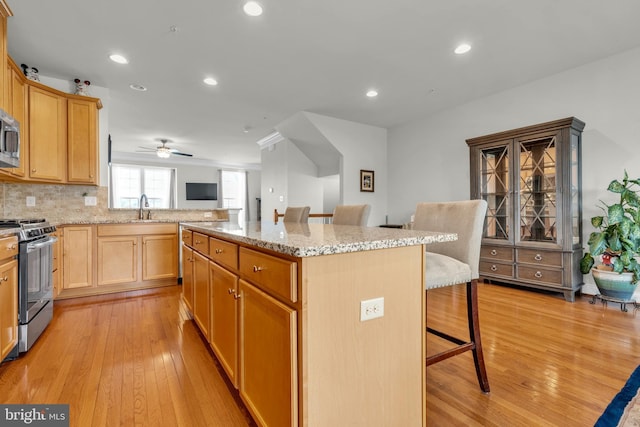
[[202, 191]]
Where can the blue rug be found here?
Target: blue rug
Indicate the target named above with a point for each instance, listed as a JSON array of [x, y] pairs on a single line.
[[624, 409]]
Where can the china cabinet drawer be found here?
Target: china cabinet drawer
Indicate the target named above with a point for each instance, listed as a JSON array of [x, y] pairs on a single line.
[[497, 253], [9, 247], [270, 273], [532, 256], [223, 252], [201, 243], [543, 275], [496, 269], [187, 237]]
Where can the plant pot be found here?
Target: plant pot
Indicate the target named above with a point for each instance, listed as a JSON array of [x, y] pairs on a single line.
[[614, 285]]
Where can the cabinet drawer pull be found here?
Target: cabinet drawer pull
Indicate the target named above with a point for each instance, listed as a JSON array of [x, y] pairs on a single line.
[[218, 251], [494, 267], [538, 257], [538, 274], [494, 252], [12, 247], [236, 296], [256, 268], [4, 279], [198, 242], [231, 291]]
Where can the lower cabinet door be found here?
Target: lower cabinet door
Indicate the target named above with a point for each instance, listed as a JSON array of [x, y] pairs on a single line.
[[187, 277], [268, 358], [159, 255], [201, 295], [8, 307], [224, 319], [117, 260]]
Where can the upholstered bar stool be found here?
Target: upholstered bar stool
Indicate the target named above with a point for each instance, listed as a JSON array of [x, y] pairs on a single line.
[[296, 214], [452, 263], [351, 215]]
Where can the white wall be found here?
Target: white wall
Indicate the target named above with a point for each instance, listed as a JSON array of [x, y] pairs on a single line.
[[253, 184], [362, 147], [274, 179], [429, 158], [304, 186]]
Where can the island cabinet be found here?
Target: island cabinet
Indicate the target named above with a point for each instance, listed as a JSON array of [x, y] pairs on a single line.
[[107, 258], [531, 180], [8, 295], [201, 293], [187, 277], [286, 328]]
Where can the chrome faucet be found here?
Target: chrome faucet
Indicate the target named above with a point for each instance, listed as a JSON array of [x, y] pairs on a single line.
[[146, 205]]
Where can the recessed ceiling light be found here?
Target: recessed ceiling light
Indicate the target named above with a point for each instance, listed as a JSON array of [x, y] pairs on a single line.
[[372, 93], [210, 81], [462, 48], [138, 87], [252, 8], [118, 58]]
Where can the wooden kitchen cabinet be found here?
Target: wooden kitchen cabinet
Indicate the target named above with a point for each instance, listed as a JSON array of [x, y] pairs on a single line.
[[159, 255], [47, 135], [187, 277], [224, 319], [8, 295], [82, 141], [77, 255], [201, 293], [17, 107], [117, 260], [268, 358], [127, 256], [5, 12]]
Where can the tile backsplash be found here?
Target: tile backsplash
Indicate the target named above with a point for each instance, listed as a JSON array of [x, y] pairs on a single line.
[[65, 204]]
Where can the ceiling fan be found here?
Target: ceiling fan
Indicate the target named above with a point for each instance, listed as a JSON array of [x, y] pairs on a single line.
[[163, 151]]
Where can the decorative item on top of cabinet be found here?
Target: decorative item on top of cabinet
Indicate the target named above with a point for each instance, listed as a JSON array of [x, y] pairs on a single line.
[[531, 180]]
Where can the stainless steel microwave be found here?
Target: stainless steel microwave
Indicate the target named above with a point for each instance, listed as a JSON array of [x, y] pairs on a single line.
[[9, 141]]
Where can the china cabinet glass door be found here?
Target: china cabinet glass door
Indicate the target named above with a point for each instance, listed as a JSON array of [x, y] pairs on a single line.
[[537, 182], [495, 189]]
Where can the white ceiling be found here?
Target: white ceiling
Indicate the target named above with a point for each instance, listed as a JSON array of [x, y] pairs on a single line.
[[312, 55]]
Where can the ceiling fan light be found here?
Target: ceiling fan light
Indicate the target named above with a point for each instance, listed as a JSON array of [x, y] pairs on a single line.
[[164, 152]]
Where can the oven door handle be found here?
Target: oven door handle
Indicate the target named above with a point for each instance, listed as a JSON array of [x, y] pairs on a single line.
[[42, 243]]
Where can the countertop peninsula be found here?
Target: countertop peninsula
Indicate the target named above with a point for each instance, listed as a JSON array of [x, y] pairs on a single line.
[[307, 240]]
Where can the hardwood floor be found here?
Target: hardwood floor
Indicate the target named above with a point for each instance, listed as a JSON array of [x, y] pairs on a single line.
[[550, 362], [122, 360], [133, 359]]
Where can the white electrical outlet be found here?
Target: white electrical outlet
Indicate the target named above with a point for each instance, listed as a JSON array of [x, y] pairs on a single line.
[[90, 201], [371, 308], [208, 214], [31, 201], [282, 198]]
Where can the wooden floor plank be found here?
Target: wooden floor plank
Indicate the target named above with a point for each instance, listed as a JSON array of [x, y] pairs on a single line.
[[136, 358]]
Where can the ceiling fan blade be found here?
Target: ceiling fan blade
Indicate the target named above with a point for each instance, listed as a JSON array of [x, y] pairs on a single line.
[[177, 153]]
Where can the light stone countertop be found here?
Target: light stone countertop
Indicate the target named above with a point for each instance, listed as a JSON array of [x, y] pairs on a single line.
[[306, 240]]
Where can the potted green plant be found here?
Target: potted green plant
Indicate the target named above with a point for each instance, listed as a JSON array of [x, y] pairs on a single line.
[[617, 241]]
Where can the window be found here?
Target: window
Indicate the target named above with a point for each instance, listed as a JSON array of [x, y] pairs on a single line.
[[129, 182], [234, 191]]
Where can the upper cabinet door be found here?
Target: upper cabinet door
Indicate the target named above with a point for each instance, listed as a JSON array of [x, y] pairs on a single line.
[[47, 135], [82, 140]]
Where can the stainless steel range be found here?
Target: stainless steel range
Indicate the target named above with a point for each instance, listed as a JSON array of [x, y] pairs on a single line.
[[35, 278]]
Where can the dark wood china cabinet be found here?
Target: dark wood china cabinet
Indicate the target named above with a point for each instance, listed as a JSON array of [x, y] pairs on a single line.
[[531, 180]]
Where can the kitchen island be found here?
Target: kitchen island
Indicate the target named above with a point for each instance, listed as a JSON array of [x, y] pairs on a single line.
[[282, 307]]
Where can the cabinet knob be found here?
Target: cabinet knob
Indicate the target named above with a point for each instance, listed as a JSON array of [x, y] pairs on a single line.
[[494, 252], [4, 279], [538, 257], [494, 268], [256, 268], [33, 170], [236, 296], [231, 291], [538, 274]]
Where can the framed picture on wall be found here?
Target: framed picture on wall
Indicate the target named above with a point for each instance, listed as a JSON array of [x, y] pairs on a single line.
[[366, 180]]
